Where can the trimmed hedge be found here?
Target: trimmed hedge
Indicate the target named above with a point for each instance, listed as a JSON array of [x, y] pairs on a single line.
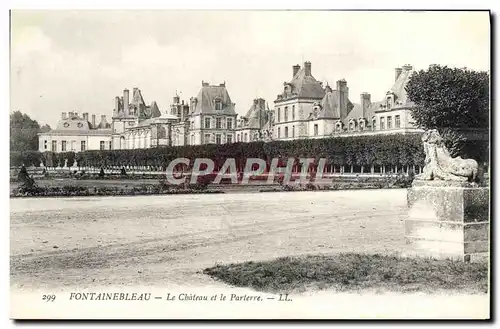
[[398, 150], [381, 150]]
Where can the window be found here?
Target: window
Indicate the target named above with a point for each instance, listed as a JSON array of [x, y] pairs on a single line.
[[229, 123], [238, 137], [286, 131], [54, 146], [361, 125], [218, 139], [397, 123], [389, 122], [101, 146], [207, 123], [279, 114], [73, 145], [246, 137], [293, 130], [293, 112], [374, 124], [192, 124], [315, 130], [207, 138], [279, 132], [63, 146], [218, 123], [45, 144], [110, 145], [82, 146], [389, 103], [382, 123], [286, 113], [229, 139], [192, 139], [218, 105]]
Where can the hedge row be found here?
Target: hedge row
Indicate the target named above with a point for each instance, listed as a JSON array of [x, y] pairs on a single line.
[[388, 150]]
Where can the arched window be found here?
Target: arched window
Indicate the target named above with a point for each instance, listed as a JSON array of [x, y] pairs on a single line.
[[374, 124]]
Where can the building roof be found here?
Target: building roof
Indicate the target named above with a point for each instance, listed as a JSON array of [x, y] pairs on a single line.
[[303, 85], [357, 112], [330, 107], [399, 86], [204, 103], [73, 123], [398, 90], [256, 116]]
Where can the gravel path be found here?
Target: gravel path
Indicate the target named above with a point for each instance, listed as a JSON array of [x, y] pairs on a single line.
[[155, 240]]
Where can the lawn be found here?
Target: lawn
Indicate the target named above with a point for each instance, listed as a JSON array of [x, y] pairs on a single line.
[[355, 272]]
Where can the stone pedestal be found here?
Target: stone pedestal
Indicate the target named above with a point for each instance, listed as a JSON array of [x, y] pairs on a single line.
[[448, 219]]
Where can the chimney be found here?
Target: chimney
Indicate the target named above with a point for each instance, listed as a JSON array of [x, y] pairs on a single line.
[[296, 69], [341, 85], [343, 95], [117, 104], [125, 101], [365, 102], [407, 67], [103, 117], [176, 99], [86, 116], [255, 101], [63, 115], [397, 73], [93, 120], [307, 68], [204, 84]]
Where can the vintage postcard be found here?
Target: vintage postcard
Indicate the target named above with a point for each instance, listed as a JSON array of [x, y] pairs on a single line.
[[169, 164]]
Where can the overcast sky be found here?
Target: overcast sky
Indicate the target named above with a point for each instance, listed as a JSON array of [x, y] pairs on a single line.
[[79, 60]]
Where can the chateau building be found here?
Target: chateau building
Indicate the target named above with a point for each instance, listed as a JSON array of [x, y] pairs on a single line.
[[76, 133], [293, 107], [304, 109], [307, 110], [212, 118]]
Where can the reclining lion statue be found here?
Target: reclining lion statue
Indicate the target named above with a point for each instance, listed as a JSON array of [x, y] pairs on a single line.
[[439, 165]]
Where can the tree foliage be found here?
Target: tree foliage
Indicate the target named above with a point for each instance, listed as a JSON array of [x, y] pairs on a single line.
[[23, 132], [449, 98]]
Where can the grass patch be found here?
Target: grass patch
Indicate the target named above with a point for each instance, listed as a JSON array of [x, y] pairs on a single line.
[[355, 272]]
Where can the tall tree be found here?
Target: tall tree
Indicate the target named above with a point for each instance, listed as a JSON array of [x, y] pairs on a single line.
[[454, 101], [23, 132], [449, 98]]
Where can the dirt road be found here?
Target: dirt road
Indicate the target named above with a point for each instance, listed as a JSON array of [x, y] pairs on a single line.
[[156, 240]]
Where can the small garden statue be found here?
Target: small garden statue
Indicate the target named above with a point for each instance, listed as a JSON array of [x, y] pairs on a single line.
[[439, 165]]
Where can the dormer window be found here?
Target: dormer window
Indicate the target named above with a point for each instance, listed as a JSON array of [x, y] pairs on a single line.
[[352, 126], [361, 125], [218, 104], [338, 126], [389, 101]]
